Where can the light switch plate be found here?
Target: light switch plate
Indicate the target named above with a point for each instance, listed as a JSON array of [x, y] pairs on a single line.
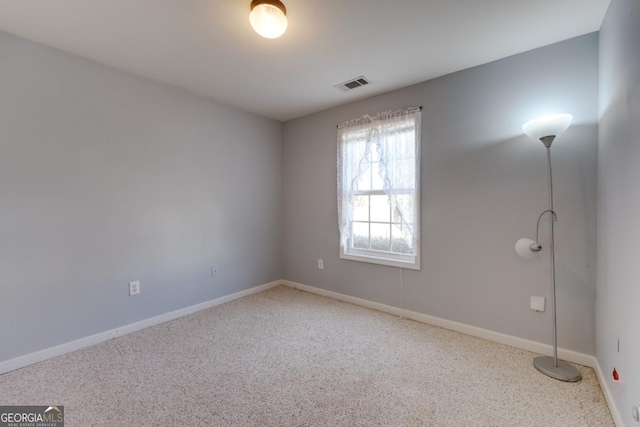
[[537, 304]]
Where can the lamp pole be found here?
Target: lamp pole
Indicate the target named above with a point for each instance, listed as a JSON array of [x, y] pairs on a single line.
[[553, 367], [546, 129], [552, 247]]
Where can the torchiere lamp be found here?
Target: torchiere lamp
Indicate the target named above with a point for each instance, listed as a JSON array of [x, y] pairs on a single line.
[[546, 129]]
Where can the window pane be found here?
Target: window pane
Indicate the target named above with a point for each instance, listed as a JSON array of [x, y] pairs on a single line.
[[402, 241], [358, 147], [361, 208], [404, 173], [405, 147], [360, 235], [380, 209], [404, 209], [364, 179], [381, 237], [376, 180], [375, 153]]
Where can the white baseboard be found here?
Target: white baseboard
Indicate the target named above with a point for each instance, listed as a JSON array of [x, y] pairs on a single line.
[[521, 343], [533, 346], [606, 390], [51, 352]]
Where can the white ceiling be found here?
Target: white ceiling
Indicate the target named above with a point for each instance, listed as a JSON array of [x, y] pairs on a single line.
[[208, 46]]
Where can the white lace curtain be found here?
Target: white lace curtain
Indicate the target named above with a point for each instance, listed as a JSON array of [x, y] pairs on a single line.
[[387, 144]]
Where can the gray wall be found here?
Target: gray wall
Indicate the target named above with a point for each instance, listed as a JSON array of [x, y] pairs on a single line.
[[483, 186], [618, 303], [107, 178]]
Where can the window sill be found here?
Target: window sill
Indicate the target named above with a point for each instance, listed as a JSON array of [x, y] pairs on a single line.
[[382, 261]]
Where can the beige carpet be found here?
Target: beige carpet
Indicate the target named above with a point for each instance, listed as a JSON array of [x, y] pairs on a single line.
[[289, 358]]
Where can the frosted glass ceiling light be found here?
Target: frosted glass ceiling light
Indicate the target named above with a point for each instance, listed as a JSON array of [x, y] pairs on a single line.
[[546, 129], [268, 18]]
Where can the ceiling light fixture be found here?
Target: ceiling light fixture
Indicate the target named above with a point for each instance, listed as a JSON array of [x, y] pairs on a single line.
[[268, 18]]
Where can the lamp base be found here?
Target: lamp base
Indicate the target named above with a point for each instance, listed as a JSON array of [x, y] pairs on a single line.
[[563, 372]]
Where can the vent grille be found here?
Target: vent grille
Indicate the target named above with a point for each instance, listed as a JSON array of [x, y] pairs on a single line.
[[353, 84]]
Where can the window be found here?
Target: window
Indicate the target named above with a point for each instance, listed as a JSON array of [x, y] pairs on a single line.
[[379, 189]]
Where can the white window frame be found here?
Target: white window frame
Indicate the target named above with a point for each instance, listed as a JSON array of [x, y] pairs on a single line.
[[386, 258]]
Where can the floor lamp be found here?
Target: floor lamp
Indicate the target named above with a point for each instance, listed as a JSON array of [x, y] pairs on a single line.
[[546, 129]]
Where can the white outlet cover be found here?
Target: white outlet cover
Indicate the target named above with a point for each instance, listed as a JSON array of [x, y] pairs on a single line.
[[134, 288], [537, 304], [320, 264], [636, 413]]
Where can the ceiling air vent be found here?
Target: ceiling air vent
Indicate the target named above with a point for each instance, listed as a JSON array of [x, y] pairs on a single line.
[[352, 84]]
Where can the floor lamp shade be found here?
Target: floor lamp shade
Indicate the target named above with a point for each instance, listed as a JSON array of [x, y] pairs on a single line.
[[552, 125], [523, 248]]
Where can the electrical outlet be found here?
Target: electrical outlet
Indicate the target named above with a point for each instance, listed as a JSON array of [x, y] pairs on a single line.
[[214, 272], [321, 264], [134, 288], [537, 304], [636, 413]]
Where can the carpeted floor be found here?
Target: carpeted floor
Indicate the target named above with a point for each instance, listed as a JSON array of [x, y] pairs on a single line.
[[288, 358]]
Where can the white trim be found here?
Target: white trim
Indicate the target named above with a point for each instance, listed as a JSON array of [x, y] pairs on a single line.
[[536, 347], [521, 343], [59, 350], [606, 390], [409, 265]]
